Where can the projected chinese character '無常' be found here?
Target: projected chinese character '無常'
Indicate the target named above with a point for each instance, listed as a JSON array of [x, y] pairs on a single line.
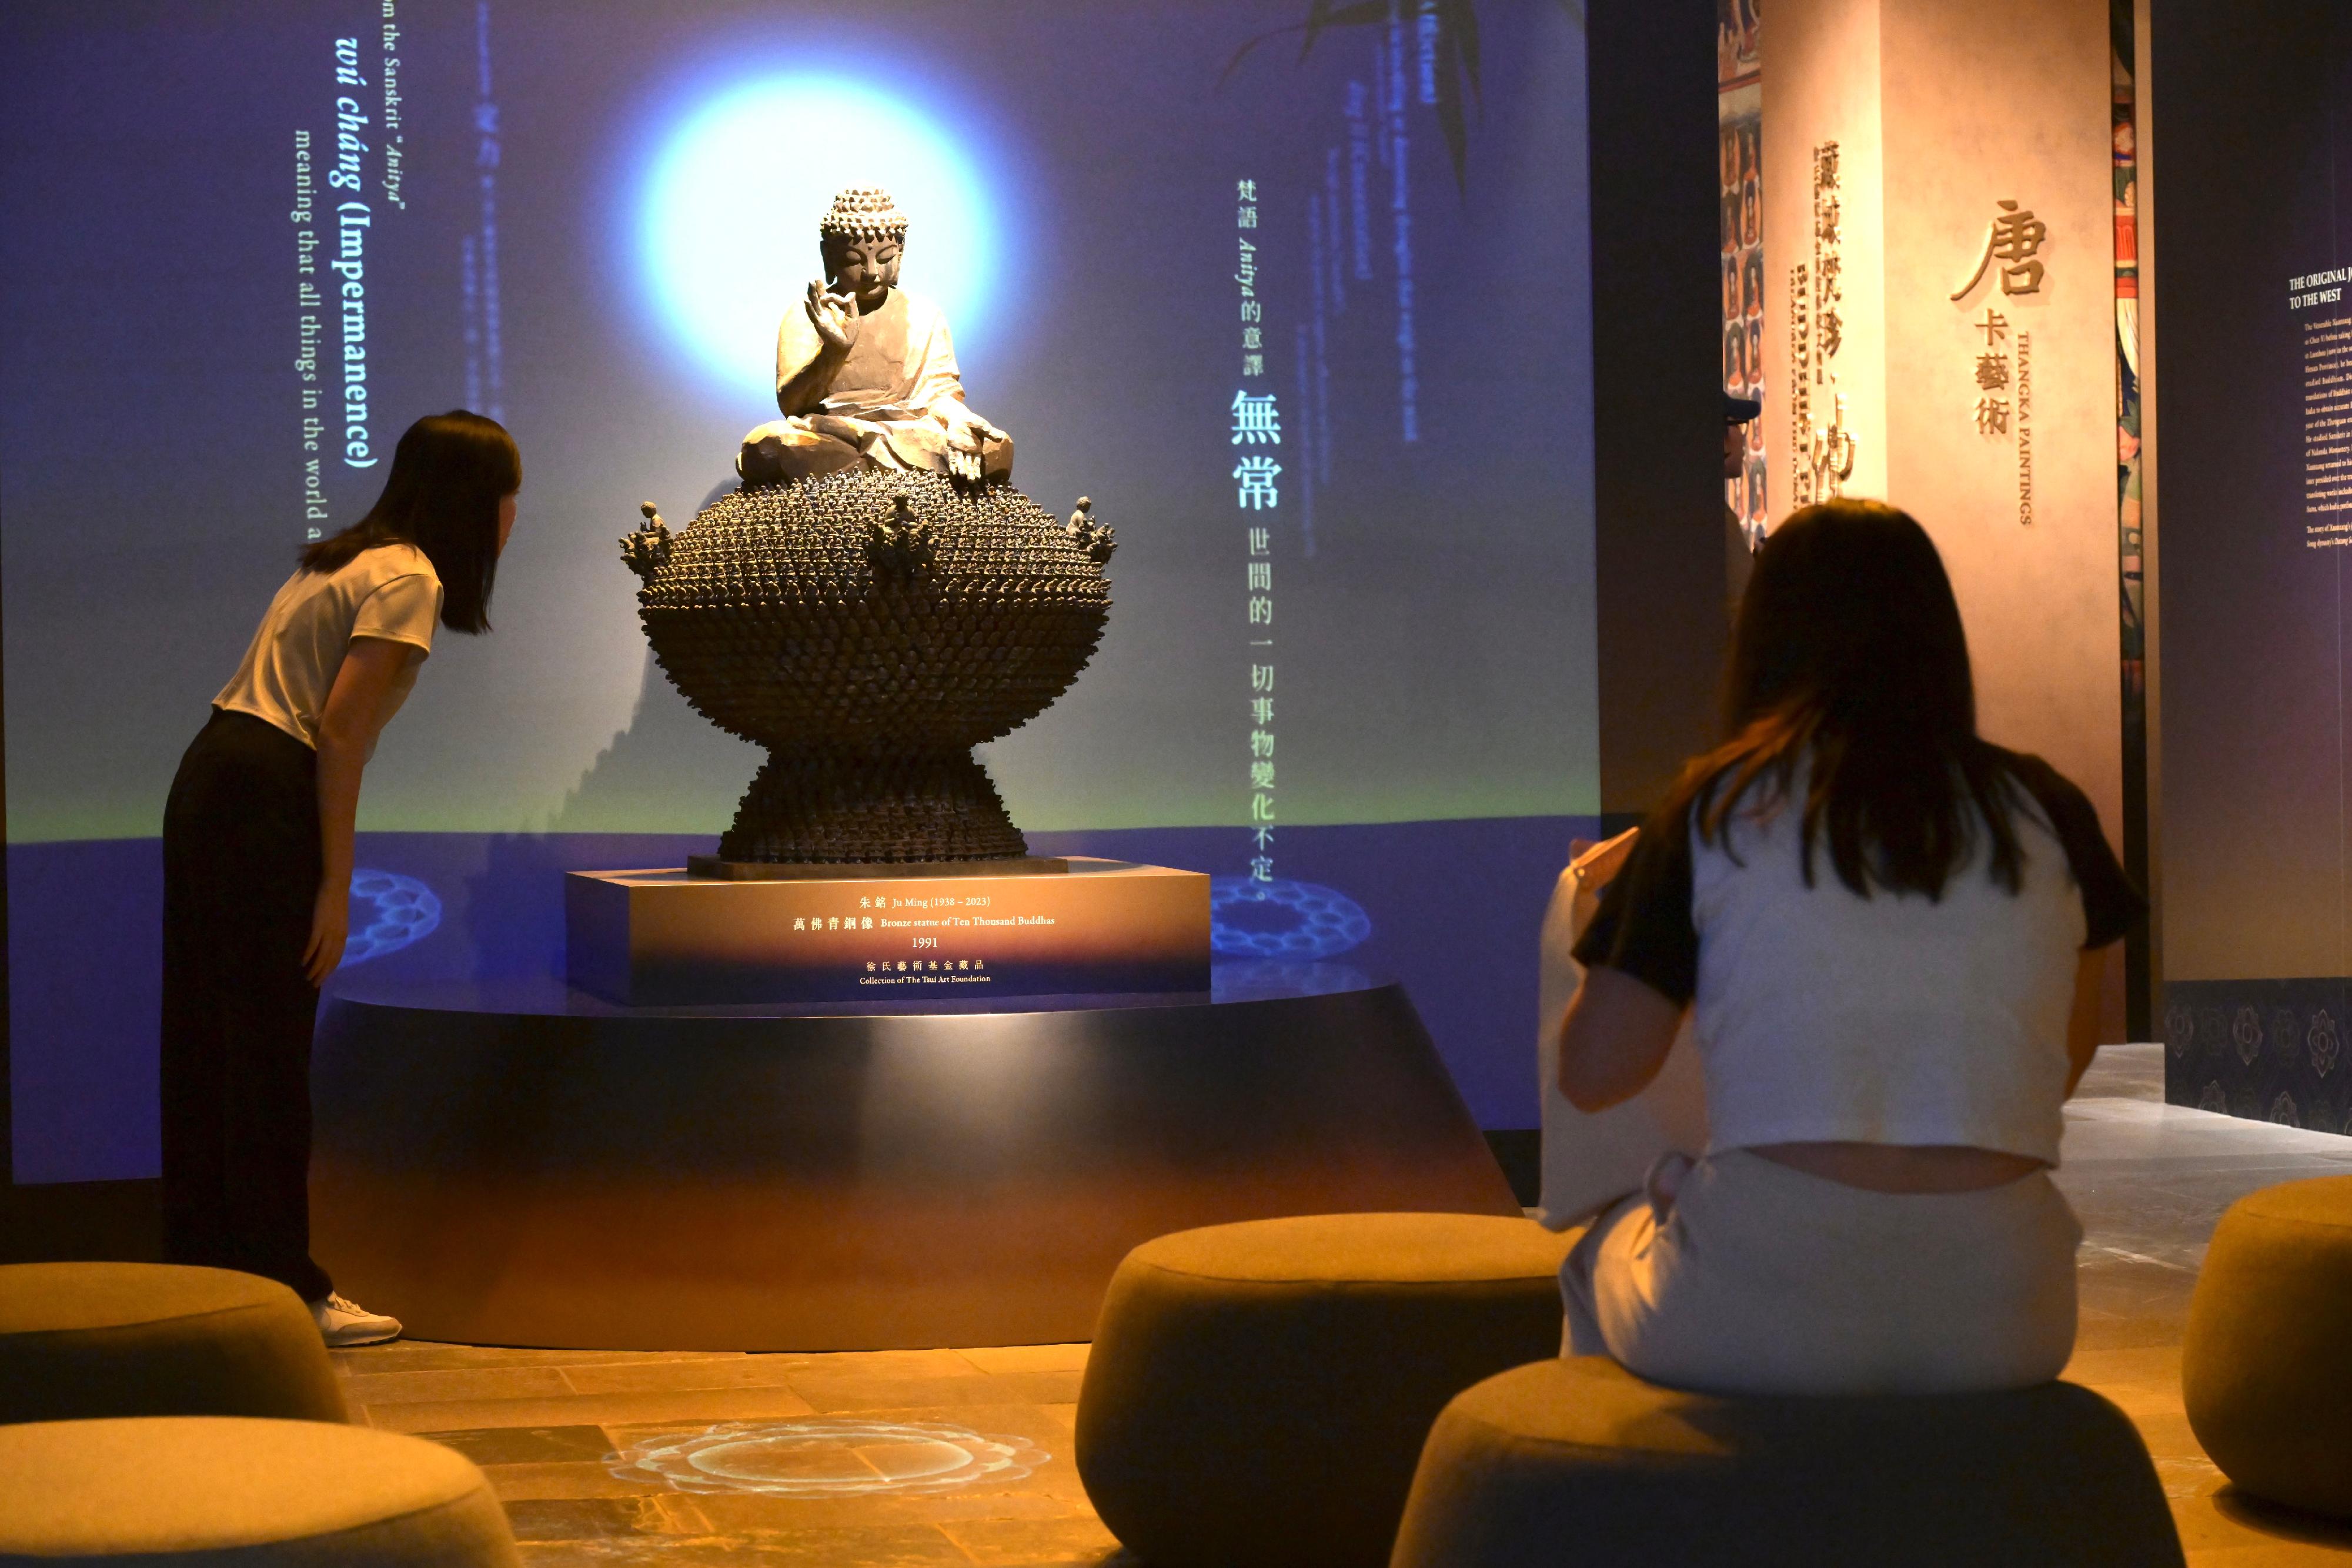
[[1255, 475], [1256, 421]]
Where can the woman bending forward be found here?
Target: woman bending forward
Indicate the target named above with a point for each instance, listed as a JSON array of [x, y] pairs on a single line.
[[257, 849], [1889, 928]]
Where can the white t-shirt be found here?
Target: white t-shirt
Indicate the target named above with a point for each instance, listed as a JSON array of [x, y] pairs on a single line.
[[390, 592], [1824, 1015]]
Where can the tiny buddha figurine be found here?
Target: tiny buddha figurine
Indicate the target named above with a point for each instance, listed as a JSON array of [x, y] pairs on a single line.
[[866, 371]]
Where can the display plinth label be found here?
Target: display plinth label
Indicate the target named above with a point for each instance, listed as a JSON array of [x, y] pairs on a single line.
[[663, 938]]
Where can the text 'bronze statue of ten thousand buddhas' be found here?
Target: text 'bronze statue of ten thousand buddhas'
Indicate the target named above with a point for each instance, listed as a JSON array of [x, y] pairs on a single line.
[[876, 598]]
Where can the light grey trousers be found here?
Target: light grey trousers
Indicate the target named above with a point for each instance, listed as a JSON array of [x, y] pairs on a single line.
[[1753, 1278]]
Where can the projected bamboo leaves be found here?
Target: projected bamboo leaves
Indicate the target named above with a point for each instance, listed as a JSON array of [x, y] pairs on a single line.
[[1455, 24]]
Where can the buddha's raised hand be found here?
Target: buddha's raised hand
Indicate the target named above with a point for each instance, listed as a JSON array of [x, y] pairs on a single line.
[[830, 314]]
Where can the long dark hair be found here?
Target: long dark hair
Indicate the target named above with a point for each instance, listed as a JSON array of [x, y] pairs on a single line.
[[1849, 656], [448, 475]]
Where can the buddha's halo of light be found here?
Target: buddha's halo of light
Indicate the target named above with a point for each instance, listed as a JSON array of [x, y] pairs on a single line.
[[728, 216]]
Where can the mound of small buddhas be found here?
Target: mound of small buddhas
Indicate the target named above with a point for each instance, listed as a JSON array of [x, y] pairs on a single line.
[[870, 606], [869, 627]]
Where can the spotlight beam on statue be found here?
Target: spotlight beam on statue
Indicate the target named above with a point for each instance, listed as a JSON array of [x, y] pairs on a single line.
[[728, 212]]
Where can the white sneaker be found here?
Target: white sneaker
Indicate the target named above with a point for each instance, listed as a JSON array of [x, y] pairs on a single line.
[[343, 1323]]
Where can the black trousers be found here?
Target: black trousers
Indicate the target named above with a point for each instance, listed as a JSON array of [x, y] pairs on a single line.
[[241, 869]]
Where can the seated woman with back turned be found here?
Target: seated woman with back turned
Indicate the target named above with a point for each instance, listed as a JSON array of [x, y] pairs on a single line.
[[1889, 929]]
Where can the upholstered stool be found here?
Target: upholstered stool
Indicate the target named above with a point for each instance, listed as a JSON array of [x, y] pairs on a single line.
[[262, 1494], [2266, 1368], [82, 1340], [1579, 1461], [1257, 1392]]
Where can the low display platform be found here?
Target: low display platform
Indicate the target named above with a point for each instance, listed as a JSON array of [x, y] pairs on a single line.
[[1024, 928], [525, 1163]]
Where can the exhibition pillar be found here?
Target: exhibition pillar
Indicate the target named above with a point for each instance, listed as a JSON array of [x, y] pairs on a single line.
[[1939, 242]]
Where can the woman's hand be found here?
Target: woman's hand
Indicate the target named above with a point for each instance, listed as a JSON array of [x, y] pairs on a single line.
[[330, 927], [1597, 865]]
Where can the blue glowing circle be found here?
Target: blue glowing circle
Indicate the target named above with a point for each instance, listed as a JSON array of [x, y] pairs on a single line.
[[400, 911], [1297, 921], [728, 214], [825, 1456]]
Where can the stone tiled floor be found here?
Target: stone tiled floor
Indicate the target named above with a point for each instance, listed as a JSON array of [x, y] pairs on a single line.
[[2150, 1180], [542, 1423]]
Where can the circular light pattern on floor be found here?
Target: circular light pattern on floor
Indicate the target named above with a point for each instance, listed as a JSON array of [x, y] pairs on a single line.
[[825, 1456], [1297, 921], [403, 909]]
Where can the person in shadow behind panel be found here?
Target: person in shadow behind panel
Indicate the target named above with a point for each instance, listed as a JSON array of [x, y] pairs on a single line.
[[1738, 549], [257, 849]]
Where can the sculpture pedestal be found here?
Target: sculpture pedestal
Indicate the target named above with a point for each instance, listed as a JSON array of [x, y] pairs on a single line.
[[520, 1164], [869, 934]]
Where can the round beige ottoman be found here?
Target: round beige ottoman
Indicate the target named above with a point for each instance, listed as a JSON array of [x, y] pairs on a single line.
[[229, 1489], [80, 1339], [1579, 1461], [2266, 1367], [1257, 1392]]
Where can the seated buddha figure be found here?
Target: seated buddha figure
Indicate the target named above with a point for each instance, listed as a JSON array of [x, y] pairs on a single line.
[[866, 371]]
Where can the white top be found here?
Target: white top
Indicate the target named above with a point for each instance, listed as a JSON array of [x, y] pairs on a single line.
[[1822, 1016], [390, 592]]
